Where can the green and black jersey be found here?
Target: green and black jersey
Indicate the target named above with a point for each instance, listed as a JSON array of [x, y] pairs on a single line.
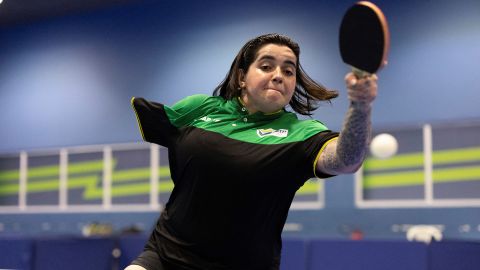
[[235, 176]]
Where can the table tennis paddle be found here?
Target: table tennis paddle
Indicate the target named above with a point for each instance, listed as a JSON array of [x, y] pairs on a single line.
[[364, 38]]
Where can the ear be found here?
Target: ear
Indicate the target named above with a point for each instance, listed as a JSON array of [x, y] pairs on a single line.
[[241, 78]]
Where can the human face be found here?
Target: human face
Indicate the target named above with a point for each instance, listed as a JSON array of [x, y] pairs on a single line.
[[270, 80]]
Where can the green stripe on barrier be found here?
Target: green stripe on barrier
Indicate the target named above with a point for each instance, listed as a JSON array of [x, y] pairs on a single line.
[[9, 175], [139, 189], [139, 173], [49, 185], [9, 189], [456, 156], [165, 186], [54, 170], [81, 167], [396, 162], [91, 183], [309, 188], [87, 167], [164, 171], [401, 161], [43, 171], [456, 174], [413, 178], [91, 186], [129, 190], [131, 175], [52, 185]]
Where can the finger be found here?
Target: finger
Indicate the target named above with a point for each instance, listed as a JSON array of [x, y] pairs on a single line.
[[368, 81], [350, 79]]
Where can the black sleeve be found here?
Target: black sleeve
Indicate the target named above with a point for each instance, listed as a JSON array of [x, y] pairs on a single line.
[[153, 122], [313, 146]]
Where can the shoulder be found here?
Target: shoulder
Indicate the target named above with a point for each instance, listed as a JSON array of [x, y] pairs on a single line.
[[298, 130], [199, 99], [304, 124], [192, 100]]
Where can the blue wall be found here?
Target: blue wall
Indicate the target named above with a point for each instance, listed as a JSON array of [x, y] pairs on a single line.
[[68, 81]]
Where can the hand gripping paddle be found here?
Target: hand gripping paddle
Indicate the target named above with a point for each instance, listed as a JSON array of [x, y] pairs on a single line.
[[364, 38]]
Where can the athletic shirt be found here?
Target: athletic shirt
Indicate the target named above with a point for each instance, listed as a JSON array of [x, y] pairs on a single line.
[[235, 175]]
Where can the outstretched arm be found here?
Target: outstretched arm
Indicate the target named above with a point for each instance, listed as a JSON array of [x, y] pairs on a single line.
[[346, 154]]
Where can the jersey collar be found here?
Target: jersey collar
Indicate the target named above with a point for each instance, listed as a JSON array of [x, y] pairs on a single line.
[[242, 109]]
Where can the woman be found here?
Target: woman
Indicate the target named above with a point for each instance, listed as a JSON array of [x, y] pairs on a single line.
[[238, 157]]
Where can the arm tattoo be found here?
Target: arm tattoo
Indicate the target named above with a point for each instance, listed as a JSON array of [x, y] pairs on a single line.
[[347, 154]]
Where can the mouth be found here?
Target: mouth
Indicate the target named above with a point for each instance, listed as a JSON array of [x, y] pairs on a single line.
[[274, 89]]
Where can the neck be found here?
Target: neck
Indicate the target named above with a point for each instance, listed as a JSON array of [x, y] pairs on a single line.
[[243, 99]]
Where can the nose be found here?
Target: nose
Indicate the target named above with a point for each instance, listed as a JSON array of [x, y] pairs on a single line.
[[277, 75]]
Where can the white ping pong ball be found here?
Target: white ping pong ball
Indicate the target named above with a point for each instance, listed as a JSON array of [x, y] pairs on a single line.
[[383, 146]]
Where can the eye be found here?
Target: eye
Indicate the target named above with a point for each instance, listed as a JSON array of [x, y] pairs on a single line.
[[289, 72], [265, 67]]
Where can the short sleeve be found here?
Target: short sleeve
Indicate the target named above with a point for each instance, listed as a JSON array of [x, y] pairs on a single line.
[[313, 146], [184, 112], [158, 122]]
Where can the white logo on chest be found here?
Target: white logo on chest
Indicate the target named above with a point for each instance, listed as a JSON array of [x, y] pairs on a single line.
[[208, 119], [281, 133]]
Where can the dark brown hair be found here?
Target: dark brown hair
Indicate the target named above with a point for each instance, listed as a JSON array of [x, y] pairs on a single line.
[[307, 91]]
